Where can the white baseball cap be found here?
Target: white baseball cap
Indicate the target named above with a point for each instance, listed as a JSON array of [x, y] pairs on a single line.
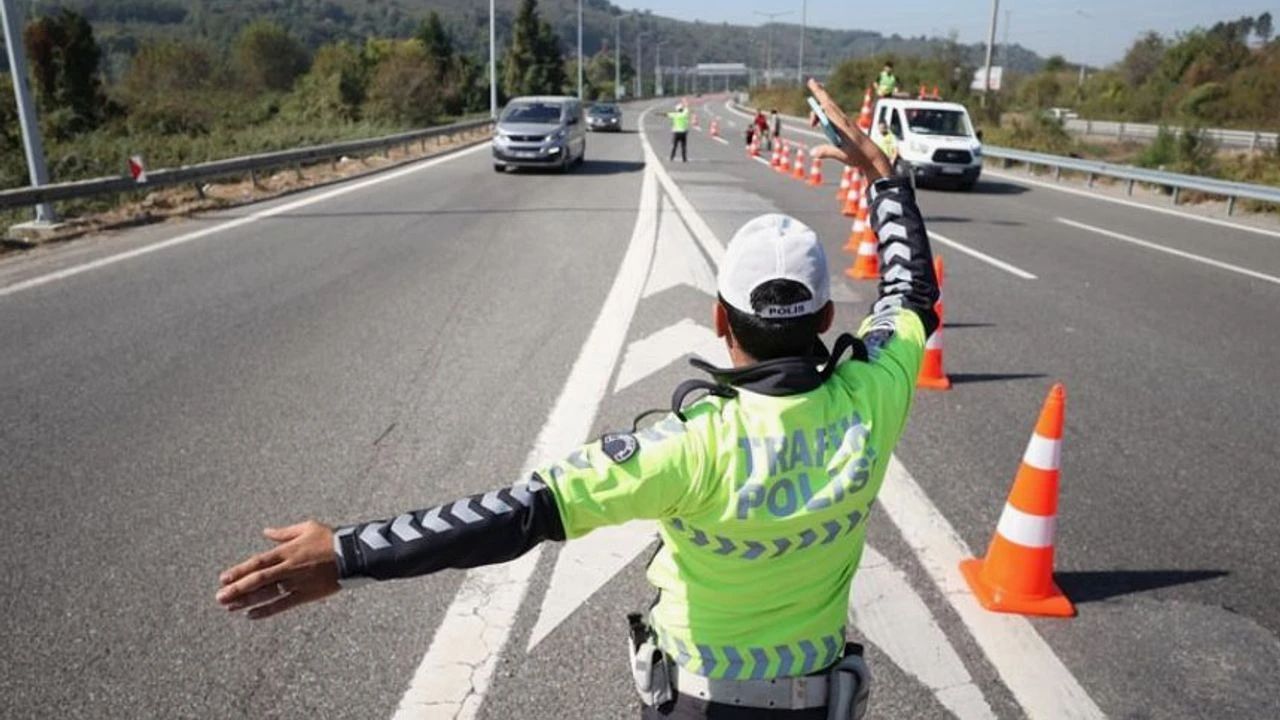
[[774, 247]]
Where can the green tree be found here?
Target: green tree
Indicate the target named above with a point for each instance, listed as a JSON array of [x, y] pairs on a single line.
[[64, 65], [1143, 58], [436, 40], [334, 88], [1262, 27], [533, 63], [170, 88], [404, 88], [1055, 63], [268, 58]]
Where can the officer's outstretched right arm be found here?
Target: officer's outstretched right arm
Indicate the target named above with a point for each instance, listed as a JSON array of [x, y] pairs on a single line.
[[903, 315]]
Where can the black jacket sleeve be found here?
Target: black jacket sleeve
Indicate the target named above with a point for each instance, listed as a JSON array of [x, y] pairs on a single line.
[[480, 530], [907, 279]]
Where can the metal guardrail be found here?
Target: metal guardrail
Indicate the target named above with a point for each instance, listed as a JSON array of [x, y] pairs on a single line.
[[1250, 139], [1130, 174], [27, 196]]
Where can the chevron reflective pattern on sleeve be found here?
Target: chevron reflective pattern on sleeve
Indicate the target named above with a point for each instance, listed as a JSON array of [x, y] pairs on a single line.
[[450, 516], [822, 534], [803, 657]]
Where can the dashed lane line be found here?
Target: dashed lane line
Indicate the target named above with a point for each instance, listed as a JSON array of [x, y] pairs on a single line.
[[1172, 251], [1132, 203], [238, 222], [992, 261]]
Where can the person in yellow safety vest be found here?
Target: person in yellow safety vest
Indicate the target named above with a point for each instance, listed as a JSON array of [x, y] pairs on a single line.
[[888, 142], [887, 83], [762, 487], [680, 131]]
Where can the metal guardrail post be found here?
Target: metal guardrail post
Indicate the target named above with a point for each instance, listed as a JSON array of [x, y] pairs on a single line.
[[1088, 127], [1231, 205], [1176, 191], [1090, 183], [1253, 143], [1129, 189], [1057, 173]]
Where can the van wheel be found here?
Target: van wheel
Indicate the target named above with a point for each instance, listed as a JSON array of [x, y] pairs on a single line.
[[565, 163]]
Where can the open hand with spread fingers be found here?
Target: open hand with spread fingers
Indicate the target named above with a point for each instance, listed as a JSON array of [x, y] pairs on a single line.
[[302, 568], [857, 150]]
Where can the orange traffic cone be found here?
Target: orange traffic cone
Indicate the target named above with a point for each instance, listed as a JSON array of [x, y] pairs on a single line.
[[775, 158], [815, 171], [936, 94], [866, 266], [1017, 574], [850, 207], [864, 115], [854, 242], [715, 127], [932, 376], [921, 96], [798, 171], [845, 178], [784, 164], [753, 147]]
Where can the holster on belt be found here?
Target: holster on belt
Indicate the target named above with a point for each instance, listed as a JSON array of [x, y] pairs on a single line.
[[848, 686], [649, 668]]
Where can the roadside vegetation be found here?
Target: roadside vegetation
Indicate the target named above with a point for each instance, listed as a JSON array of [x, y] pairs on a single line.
[[1227, 75], [179, 101]]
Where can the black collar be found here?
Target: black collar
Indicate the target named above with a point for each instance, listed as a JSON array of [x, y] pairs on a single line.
[[777, 378]]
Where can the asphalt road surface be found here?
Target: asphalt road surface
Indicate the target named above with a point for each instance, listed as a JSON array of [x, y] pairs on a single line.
[[397, 341]]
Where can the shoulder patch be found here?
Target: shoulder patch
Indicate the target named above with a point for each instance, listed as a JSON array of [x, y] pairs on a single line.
[[619, 447]]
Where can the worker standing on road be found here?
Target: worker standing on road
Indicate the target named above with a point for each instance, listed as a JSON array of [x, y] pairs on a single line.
[[680, 131], [775, 127], [762, 487], [887, 83], [888, 143]]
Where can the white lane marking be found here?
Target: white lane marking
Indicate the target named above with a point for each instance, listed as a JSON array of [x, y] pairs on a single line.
[[650, 354], [719, 139], [676, 258], [761, 160], [994, 262], [1131, 203], [891, 615], [1179, 253], [231, 224], [583, 567], [702, 232], [1038, 680], [454, 675]]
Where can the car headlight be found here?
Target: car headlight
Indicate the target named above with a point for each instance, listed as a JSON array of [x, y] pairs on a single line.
[[557, 135], [501, 139]]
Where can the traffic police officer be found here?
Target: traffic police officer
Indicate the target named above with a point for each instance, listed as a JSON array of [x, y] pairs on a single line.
[[680, 131], [762, 487]]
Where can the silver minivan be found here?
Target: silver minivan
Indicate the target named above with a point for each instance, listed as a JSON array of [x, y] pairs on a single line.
[[540, 131]]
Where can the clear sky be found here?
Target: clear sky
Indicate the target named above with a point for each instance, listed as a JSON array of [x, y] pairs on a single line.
[[1099, 31]]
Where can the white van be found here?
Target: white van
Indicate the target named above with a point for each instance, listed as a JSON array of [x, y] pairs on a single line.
[[936, 140]]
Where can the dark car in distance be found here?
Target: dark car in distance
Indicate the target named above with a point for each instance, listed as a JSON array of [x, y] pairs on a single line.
[[604, 117]]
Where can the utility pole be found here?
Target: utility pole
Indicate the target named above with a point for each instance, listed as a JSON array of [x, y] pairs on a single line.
[[26, 107], [639, 64], [768, 72], [1004, 46], [580, 92], [675, 74], [617, 58], [493, 66], [1083, 14], [804, 17], [657, 69], [991, 39]]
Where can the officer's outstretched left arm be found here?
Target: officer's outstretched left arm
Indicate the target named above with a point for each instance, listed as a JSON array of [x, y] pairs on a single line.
[[655, 473], [652, 474]]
